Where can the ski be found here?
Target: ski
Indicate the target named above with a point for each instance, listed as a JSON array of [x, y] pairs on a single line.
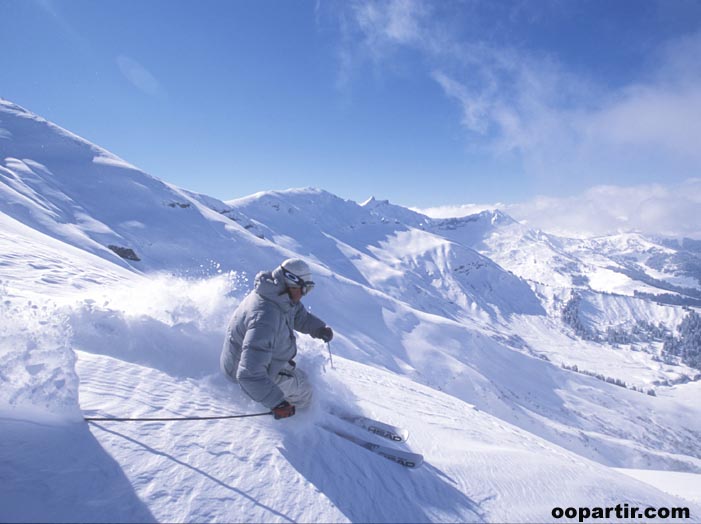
[[393, 433], [403, 458]]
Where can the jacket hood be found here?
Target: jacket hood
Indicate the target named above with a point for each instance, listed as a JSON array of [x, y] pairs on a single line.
[[271, 286]]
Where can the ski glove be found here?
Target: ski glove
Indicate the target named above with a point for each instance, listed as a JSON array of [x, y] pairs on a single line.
[[325, 334], [283, 410]]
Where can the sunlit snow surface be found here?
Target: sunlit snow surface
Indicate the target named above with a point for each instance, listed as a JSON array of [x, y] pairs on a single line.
[[685, 485], [449, 329]]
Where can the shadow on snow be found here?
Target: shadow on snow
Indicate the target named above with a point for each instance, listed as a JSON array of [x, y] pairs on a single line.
[[62, 474]]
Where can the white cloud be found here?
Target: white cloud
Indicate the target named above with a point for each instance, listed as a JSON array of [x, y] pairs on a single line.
[[138, 75], [651, 116], [517, 104], [53, 8], [460, 210], [475, 107], [373, 31], [392, 22], [564, 128], [656, 209]]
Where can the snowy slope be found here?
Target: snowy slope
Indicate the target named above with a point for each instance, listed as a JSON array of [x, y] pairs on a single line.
[[621, 264], [627, 287], [28, 257], [479, 467], [409, 263], [457, 355], [63, 186], [480, 475]]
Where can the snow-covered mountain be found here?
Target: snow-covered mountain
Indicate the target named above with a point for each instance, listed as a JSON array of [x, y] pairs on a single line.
[[486, 339], [384, 252]]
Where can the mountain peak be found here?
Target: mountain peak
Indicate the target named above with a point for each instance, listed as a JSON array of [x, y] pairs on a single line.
[[372, 203], [368, 202]]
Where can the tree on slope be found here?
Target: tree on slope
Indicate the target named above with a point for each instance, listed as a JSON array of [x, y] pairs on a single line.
[[687, 347]]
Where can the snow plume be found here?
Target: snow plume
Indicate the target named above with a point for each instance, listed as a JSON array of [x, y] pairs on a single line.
[[167, 323], [654, 209], [176, 326], [37, 364], [205, 302]]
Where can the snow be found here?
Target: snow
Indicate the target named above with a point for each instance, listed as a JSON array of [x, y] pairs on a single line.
[[609, 281], [684, 485], [38, 365], [449, 328]]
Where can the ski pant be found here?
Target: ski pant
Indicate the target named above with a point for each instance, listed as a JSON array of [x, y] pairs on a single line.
[[296, 387], [294, 384]]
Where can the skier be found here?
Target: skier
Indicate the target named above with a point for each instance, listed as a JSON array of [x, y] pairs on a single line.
[[260, 343]]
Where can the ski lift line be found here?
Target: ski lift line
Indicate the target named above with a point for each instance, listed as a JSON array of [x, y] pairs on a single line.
[[172, 419]]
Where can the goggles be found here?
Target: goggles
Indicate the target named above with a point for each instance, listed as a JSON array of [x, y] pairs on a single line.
[[294, 281]]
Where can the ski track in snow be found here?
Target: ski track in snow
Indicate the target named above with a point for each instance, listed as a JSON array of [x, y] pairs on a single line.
[[316, 473], [478, 468]]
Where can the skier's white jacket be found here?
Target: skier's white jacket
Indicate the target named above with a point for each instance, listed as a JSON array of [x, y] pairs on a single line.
[[260, 338]]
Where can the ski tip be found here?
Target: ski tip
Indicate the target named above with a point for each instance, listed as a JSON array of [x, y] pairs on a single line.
[[408, 460], [400, 457], [417, 462]]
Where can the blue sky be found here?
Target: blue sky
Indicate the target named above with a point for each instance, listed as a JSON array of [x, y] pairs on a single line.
[[426, 104]]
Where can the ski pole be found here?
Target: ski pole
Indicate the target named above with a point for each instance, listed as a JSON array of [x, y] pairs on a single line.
[[328, 346], [171, 419]]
